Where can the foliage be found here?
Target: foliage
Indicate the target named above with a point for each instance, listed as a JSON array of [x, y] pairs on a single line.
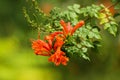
[[117, 4], [96, 18]]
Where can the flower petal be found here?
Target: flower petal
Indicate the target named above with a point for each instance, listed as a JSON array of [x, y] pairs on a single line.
[[58, 57], [40, 47], [59, 42], [65, 29], [78, 25]]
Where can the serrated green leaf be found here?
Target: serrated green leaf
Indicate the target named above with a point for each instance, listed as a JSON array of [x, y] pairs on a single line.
[[113, 23], [113, 30], [107, 25], [94, 34], [76, 6], [95, 30], [73, 15], [87, 44], [77, 10], [85, 57], [91, 34], [97, 36]]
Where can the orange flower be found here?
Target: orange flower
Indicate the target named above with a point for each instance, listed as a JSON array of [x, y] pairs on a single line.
[[78, 25], [58, 42], [51, 37], [59, 57], [68, 29], [41, 48]]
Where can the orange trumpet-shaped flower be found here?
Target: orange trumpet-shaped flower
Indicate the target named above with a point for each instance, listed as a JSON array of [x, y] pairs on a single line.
[[59, 57], [58, 42], [68, 29], [41, 48], [51, 37], [78, 25]]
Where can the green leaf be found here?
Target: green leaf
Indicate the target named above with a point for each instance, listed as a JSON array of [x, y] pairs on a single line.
[[73, 15], [113, 30], [87, 44], [102, 15], [85, 57], [76, 6], [104, 20], [107, 25], [96, 33], [79, 45], [89, 27], [95, 30], [91, 35]]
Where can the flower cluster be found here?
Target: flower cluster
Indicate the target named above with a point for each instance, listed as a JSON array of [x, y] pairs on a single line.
[[52, 44]]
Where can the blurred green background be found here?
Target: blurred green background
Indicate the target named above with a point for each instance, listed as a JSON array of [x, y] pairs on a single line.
[[18, 62]]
